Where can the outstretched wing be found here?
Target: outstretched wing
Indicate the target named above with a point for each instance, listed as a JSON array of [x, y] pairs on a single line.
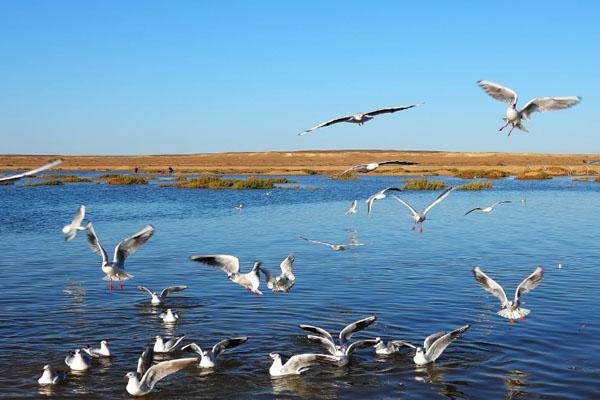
[[354, 327], [29, 173], [158, 371], [490, 285], [228, 344], [316, 241], [439, 199], [329, 345], [71, 229], [361, 344], [326, 123], [287, 267], [172, 289], [144, 289], [541, 104], [412, 210], [229, 264], [389, 110], [95, 244], [301, 361], [529, 283], [499, 92], [319, 331], [129, 246], [396, 162], [192, 347], [475, 209], [145, 361], [438, 346]]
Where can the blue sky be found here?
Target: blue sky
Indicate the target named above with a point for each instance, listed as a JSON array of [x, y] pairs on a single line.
[[149, 77]]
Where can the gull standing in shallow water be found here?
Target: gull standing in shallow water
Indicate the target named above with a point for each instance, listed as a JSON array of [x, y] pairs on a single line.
[[208, 359], [353, 208], [297, 364], [434, 345], [378, 196], [359, 118], [16, 177], [283, 282], [116, 268], [157, 299], [137, 386], [71, 230], [51, 377], [514, 116], [333, 246], [231, 266], [102, 351], [420, 217], [511, 309], [488, 209]]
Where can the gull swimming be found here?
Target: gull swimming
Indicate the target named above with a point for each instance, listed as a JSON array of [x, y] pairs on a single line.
[[208, 359], [378, 196], [359, 118], [514, 116], [51, 377], [169, 317], [71, 230], [137, 386], [44, 167], [285, 281], [116, 268], [353, 208], [157, 299], [434, 345], [511, 309], [231, 266], [162, 347], [102, 351], [297, 364], [78, 360], [420, 217], [343, 350], [488, 209], [372, 166], [333, 246], [385, 349]]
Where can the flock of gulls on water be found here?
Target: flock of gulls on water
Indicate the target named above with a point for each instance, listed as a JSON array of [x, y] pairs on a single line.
[[338, 351]]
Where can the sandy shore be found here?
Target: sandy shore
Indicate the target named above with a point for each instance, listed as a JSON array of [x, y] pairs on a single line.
[[303, 162]]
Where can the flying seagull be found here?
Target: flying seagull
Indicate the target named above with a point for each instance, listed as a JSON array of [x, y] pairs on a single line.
[[102, 351], [296, 364], [208, 359], [157, 299], [372, 166], [379, 196], [71, 230], [434, 345], [353, 208], [359, 118], [231, 266], [16, 177], [137, 386], [343, 350], [514, 116], [51, 377], [511, 309], [116, 268], [488, 209], [78, 360], [420, 217], [283, 282], [333, 246], [162, 347]]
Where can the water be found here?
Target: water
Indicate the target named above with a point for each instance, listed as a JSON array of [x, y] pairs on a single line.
[[54, 300]]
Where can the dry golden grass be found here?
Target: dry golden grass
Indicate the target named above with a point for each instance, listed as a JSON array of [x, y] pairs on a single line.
[[533, 175], [211, 182], [476, 185], [115, 179], [65, 178], [481, 173], [51, 182], [423, 184]]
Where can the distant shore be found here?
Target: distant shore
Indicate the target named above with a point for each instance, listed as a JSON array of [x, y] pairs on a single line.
[[316, 162]]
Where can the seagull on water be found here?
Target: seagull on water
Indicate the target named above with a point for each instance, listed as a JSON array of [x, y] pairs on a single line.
[[137, 386], [488, 209], [514, 116], [420, 217], [116, 268], [208, 359], [51, 377], [434, 345], [16, 177], [169, 316], [359, 118], [372, 166], [283, 282], [511, 309], [353, 208], [78, 360], [71, 230], [343, 350], [385, 349], [231, 266], [162, 347], [102, 351], [333, 246], [379, 196], [297, 364], [157, 299]]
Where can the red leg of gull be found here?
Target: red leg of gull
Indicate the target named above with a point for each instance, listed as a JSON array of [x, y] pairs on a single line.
[[110, 283], [522, 318], [421, 228], [511, 321], [120, 283], [511, 129], [414, 227]]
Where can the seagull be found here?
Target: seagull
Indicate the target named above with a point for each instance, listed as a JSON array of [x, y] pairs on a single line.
[[391, 347], [283, 282], [157, 299], [379, 196], [488, 209], [16, 177], [239, 207], [169, 317], [137, 386], [514, 116], [116, 268], [231, 266], [434, 345], [296, 364], [50, 377], [333, 246], [78, 360], [372, 166], [162, 347], [353, 208], [342, 351], [420, 217], [71, 230], [145, 361], [208, 359], [103, 351], [359, 118], [511, 309]]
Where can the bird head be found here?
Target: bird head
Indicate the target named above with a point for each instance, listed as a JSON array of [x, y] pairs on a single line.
[[47, 367], [274, 356], [104, 342], [130, 375]]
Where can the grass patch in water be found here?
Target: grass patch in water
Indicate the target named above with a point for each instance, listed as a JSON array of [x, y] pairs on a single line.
[[476, 185], [528, 175], [309, 171], [51, 182], [66, 178], [582, 179], [211, 182], [115, 179], [423, 184], [344, 176], [481, 173]]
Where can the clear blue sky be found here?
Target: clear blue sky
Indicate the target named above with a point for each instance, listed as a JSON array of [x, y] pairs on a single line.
[[148, 77]]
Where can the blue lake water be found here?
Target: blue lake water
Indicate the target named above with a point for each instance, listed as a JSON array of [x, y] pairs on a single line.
[[54, 298]]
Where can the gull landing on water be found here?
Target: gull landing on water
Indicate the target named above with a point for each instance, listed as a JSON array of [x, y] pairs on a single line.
[[333, 246], [488, 209], [420, 217], [434, 345], [157, 299], [16, 177], [353, 208], [208, 359], [283, 282], [71, 230], [296, 364], [514, 117], [379, 196], [359, 118], [141, 386], [231, 266], [511, 309]]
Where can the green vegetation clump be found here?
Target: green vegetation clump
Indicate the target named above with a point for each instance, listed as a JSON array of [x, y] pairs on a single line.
[[476, 185], [532, 175], [423, 184], [211, 182], [114, 179], [66, 178], [481, 173], [51, 182]]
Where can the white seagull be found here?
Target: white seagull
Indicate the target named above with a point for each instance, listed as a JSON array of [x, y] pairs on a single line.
[[283, 282], [333, 246], [391, 347], [71, 230], [372, 166], [78, 360], [169, 317], [353, 208], [51, 377], [102, 351], [434, 345], [16, 177], [137, 386], [208, 359], [116, 268], [231, 266], [378, 196], [511, 309], [420, 217], [343, 350], [162, 347], [297, 364], [359, 118], [488, 209], [157, 299], [514, 116]]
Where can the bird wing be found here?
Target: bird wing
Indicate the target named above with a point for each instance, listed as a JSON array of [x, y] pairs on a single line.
[[228, 344], [329, 345], [429, 340], [541, 104], [439, 345], [158, 371], [173, 342], [129, 246], [490, 285], [403, 343], [439, 199], [32, 172], [412, 210], [227, 263], [389, 110], [354, 327], [268, 275], [319, 331], [379, 196], [287, 267], [499, 92], [474, 209], [316, 241], [144, 289], [172, 289], [95, 244], [395, 162], [79, 215], [361, 344], [145, 361], [352, 206], [352, 168], [192, 347], [529, 283], [326, 123], [301, 361]]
